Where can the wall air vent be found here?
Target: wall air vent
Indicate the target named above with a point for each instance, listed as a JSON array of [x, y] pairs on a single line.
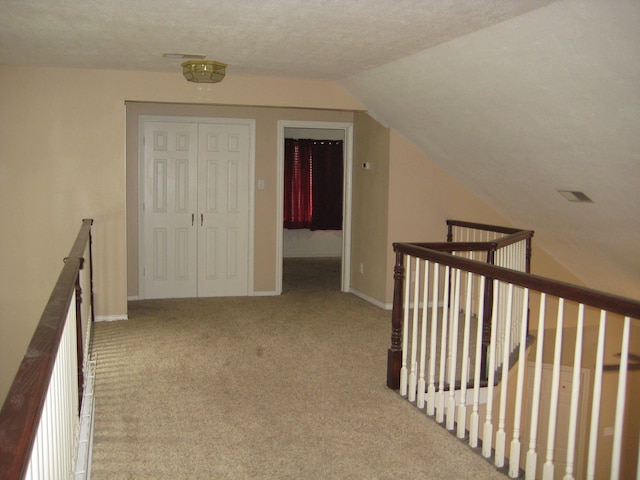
[[574, 196]]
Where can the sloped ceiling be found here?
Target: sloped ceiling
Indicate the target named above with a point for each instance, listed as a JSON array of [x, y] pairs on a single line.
[[547, 101], [517, 99]]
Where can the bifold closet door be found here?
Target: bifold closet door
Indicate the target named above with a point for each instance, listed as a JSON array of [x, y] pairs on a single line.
[[169, 208], [195, 210], [223, 236]]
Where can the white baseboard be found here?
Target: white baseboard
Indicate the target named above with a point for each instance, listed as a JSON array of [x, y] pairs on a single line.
[[313, 255], [377, 303], [133, 298], [271, 293], [111, 318]]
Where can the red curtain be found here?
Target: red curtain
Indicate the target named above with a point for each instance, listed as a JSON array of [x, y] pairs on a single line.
[[313, 175], [298, 185], [327, 185]]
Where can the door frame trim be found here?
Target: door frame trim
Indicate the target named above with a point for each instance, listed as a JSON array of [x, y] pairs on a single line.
[[347, 127], [251, 123]]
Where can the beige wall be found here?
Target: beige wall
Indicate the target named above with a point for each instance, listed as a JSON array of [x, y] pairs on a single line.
[[406, 197], [422, 196], [62, 158], [370, 199]]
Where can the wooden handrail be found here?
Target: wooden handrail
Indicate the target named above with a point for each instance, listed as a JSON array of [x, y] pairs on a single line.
[[22, 409], [513, 238], [477, 246], [457, 246], [80, 244], [594, 298]]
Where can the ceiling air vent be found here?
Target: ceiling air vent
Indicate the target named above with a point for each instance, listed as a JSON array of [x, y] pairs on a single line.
[[184, 56], [574, 196]]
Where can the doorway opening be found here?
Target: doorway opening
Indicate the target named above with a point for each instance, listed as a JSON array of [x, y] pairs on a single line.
[[325, 252]]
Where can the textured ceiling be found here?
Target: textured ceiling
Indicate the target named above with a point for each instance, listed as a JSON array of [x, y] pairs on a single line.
[[331, 39], [515, 98]]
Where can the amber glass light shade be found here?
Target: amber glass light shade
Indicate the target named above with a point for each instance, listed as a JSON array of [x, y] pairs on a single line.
[[203, 71]]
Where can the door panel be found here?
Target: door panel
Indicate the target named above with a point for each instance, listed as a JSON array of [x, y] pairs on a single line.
[[224, 182], [170, 199], [159, 251]]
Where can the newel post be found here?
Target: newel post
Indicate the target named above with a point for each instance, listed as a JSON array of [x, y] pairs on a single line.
[[394, 357]]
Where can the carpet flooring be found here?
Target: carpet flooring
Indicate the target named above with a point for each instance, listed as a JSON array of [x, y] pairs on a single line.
[[286, 387]]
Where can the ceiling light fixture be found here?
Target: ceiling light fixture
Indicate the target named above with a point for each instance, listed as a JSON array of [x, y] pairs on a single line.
[[575, 196], [203, 71]]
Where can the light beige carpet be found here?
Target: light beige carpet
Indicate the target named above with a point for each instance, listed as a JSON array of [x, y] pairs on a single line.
[[288, 387]]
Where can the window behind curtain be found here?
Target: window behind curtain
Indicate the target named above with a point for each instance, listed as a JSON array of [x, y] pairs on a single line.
[[313, 175]]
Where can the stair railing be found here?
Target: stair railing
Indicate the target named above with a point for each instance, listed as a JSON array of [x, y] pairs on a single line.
[[40, 418], [436, 345], [503, 246]]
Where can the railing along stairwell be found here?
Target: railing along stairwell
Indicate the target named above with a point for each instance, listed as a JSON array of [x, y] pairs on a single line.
[[559, 406], [45, 421]]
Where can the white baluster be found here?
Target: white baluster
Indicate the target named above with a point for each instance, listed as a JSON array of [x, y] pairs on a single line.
[[474, 418], [44, 435], [462, 408], [548, 468], [597, 394], [453, 353], [443, 347], [431, 390], [518, 316], [500, 433], [423, 336], [514, 452], [487, 433], [575, 396], [55, 434], [405, 327], [59, 451], [532, 455], [616, 451], [413, 374], [501, 313]]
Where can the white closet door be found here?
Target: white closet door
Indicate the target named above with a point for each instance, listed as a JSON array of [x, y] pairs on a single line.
[[169, 207], [195, 210], [223, 186]]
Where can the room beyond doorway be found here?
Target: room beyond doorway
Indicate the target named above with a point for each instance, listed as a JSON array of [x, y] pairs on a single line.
[[335, 243], [308, 275]]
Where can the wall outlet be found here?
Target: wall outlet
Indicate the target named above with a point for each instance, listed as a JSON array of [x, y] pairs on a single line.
[[361, 268]]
